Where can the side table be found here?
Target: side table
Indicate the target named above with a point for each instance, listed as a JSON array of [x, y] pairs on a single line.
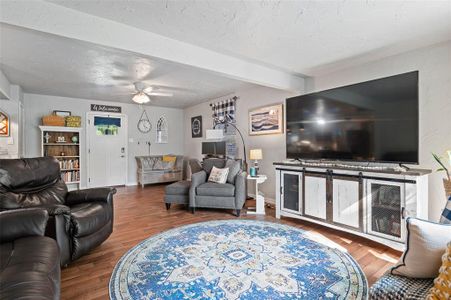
[[260, 200]]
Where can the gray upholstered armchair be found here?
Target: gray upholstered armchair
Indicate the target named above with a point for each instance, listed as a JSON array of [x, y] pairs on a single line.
[[230, 195]]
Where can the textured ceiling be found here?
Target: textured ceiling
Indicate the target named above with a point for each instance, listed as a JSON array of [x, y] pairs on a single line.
[[51, 65], [307, 37]]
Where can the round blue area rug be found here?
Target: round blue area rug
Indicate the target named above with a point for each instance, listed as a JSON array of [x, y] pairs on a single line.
[[236, 259]]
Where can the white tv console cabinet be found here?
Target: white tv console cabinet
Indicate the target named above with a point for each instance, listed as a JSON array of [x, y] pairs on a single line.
[[366, 202]]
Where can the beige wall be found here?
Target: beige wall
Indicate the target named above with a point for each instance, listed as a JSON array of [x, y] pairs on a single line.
[[273, 146], [434, 66], [37, 106]]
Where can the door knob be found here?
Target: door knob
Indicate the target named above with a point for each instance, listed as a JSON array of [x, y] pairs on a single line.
[[122, 155]]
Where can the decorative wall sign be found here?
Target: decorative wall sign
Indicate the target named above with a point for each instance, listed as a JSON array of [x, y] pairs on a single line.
[[106, 108], [266, 120], [196, 127], [4, 124]]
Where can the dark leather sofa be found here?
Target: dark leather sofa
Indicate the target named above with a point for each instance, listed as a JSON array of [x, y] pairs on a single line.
[[29, 261], [78, 220]]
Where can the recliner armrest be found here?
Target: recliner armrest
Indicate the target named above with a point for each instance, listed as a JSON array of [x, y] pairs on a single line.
[[90, 195], [55, 209], [19, 223]]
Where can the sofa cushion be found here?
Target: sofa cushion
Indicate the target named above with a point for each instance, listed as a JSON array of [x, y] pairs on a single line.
[[178, 188], [398, 287], [209, 163], [425, 245], [169, 158], [30, 269], [89, 217], [234, 168], [216, 189]]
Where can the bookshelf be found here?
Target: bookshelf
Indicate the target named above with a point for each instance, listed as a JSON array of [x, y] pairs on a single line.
[[63, 143]]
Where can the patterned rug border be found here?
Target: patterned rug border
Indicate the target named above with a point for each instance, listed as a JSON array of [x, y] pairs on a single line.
[[124, 257]]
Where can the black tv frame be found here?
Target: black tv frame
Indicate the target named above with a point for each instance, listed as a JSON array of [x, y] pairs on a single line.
[[363, 161]]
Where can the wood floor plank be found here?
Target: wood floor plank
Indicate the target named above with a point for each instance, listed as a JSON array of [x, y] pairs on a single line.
[[140, 213]]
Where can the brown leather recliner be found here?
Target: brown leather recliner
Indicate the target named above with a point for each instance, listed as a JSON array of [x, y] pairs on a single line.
[[78, 220], [29, 261]]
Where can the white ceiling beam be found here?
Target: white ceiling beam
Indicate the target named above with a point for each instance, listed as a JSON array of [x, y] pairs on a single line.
[[58, 20], [5, 87]]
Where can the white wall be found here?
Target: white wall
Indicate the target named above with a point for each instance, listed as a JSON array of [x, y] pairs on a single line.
[[434, 66], [13, 143], [273, 146], [37, 106]]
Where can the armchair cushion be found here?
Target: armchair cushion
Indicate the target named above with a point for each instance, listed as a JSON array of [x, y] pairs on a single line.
[[234, 168], [90, 195], [213, 162], [216, 189], [89, 217], [21, 223]]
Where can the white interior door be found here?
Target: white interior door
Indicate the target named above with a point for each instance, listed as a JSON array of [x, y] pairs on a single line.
[[346, 202], [315, 200], [107, 150]]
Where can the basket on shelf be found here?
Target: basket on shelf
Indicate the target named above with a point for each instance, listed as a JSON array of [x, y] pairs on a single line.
[[73, 121], [53, 120]]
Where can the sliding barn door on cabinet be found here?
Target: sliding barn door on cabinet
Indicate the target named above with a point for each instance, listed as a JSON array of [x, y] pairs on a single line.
[[347, 203], [315, 195]]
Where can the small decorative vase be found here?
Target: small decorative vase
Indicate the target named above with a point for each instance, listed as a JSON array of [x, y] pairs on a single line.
[[447, 185], [74, 139]]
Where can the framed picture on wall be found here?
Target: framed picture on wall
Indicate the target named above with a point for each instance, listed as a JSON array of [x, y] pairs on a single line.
[[266, 120], [4, 124], [196, 127]]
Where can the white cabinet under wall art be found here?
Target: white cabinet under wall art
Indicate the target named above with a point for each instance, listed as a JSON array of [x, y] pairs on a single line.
[[315, 198], [346, 202], [373, 204]]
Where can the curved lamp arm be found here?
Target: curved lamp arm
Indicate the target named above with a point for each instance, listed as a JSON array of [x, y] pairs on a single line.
[[242, 140]]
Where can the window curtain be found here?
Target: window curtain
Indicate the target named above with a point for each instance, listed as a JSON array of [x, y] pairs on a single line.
[[224, 109]]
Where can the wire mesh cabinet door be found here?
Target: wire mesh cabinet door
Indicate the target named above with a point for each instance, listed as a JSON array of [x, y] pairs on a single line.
[[386, 209]]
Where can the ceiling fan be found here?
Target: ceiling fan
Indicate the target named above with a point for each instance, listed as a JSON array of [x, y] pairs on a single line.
[[143, 93]]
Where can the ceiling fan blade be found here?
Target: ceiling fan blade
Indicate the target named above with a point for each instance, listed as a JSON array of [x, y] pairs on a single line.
[[148, 89], [162, 94]]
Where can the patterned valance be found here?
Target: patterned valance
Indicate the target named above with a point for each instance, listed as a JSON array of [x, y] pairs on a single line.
[[224, 110]]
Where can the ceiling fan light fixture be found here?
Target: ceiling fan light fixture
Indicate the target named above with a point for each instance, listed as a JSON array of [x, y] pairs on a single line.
[[141, 98]]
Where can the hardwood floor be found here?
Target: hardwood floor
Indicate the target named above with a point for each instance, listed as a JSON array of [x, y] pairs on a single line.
[[140, 213]]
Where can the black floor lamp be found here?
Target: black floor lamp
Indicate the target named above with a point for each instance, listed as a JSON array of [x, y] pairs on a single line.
[[227, 121]]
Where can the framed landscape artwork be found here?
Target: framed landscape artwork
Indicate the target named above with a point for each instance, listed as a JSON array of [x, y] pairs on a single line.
[[4, 124], [266, 120]]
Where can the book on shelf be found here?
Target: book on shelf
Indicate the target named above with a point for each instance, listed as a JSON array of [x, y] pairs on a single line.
[[71, 176], [69, 164]]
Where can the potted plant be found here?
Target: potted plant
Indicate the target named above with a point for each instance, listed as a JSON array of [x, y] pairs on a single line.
[[447, 170]]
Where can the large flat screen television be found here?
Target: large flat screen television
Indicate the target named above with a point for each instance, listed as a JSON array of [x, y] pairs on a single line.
[[373, 121]]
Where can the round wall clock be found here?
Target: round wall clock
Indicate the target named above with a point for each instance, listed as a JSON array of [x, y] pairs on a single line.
[[144, 124]]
